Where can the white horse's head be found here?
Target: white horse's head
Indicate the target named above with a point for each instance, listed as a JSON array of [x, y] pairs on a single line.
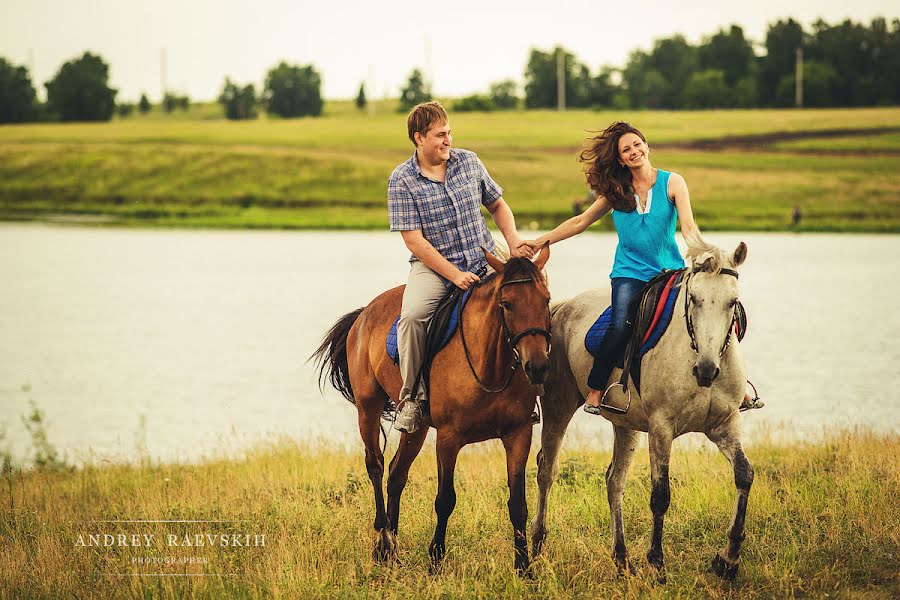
[[711, 301]]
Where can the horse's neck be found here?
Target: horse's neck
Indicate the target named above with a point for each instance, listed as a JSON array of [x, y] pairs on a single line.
[[675, 341]]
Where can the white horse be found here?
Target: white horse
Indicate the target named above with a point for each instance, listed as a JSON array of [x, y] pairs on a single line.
[[693, 380]]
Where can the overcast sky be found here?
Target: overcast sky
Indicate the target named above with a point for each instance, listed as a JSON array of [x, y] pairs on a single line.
[[472, 42]]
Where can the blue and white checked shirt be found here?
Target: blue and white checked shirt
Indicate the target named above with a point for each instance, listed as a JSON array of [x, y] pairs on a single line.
[[448, 213]]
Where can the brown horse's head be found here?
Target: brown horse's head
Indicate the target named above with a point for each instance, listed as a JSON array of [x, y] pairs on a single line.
[[524, 302]]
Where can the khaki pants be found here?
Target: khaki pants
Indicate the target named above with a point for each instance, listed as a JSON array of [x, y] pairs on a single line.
[[424, 291]]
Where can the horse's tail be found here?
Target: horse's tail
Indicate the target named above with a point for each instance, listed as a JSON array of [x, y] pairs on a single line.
[[331, 356]]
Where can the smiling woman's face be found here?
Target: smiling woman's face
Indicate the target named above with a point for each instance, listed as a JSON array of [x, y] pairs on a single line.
[[633, 151]]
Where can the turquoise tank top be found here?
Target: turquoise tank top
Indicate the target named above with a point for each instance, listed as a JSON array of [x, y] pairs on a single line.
[[647, 241]]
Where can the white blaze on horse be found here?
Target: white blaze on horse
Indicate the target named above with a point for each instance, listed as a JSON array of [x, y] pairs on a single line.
[[693, 380]]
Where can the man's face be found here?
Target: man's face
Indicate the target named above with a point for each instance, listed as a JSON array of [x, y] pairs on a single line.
[[434, 146]]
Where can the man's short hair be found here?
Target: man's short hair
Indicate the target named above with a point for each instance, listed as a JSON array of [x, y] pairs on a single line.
[[422, 117]]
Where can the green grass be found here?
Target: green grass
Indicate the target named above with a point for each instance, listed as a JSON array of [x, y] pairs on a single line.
[[331, 172], [822, 521]]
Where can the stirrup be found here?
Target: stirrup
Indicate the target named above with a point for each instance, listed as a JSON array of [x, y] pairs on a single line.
[[610, 407], [754, 402]]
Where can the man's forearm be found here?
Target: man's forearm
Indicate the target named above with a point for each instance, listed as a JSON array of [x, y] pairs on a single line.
[[434, 260], [506, 223]]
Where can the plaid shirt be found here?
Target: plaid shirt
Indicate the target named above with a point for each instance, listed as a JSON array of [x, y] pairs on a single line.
[[448, 213]]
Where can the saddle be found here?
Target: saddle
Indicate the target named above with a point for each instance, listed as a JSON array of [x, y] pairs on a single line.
[[649, 315], [439, 330]]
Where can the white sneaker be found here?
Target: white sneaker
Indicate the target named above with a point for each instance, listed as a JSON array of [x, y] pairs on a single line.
[[409, 417]]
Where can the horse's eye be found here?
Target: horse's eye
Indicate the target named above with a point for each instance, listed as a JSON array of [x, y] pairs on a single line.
[[505, 305]]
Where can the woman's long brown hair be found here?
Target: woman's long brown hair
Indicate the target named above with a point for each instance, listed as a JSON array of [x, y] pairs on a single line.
[[605, 175]]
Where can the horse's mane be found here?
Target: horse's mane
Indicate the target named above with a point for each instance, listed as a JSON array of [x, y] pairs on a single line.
[[700, 251], [516, 268]]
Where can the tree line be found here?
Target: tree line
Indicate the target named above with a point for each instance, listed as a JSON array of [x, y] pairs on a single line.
[[846, 64], [80, 91]]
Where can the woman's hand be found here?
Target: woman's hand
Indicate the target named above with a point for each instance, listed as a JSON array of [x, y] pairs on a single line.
[[532, 245], [521, 249]]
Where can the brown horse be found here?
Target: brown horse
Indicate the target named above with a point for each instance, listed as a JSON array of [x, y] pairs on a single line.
[[506, 322]]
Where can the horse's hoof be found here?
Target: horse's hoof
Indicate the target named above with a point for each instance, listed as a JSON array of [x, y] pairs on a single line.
[[385, 549], [525, 571], [723, 569], [537, 543], [624, 566], [436, 552]]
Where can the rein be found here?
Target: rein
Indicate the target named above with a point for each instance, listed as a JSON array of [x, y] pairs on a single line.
[[510, 340], [738, 314]]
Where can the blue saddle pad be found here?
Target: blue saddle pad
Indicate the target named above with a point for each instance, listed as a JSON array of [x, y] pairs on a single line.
[[391, 344], [596, 333]]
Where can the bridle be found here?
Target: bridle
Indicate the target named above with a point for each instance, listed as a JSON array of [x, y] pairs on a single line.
[[737, 315], [511, 339]]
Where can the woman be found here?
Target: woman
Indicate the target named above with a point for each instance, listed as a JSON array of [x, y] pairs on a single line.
[[645, 202]]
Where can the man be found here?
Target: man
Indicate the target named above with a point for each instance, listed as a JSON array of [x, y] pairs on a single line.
[[434, 201]]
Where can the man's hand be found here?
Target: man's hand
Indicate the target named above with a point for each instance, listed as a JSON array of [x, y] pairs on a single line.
[[465, 280], [531, 245], [519, 248]]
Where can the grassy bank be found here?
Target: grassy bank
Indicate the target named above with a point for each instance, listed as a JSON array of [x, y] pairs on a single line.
[[331, 172], [822, 521]]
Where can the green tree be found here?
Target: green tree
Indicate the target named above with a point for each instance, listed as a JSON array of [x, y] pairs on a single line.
[[414, 92], [821, 86], [239, 102], [541, 79], [645, 86], [173, 101], [603, 90], [729, 52], [144, 104], [361, 97], [125, 109], [293, 91], [708, 89], [503, 94], [474, 103], [18, 101], [80, 92], [782, 40]]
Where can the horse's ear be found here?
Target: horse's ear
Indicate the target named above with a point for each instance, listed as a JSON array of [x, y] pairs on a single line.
[[740, 254], [496, 264], [706, 265], [543, 256]]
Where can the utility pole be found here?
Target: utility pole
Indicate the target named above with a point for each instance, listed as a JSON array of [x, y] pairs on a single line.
[[798, 79], [560, 79], [162, 77], [371, 86], [428, 77]]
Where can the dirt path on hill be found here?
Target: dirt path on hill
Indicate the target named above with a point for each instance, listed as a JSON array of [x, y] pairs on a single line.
[[766, 141]]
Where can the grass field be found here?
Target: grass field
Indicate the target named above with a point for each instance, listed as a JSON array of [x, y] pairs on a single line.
[[822, 522], [331, 172]]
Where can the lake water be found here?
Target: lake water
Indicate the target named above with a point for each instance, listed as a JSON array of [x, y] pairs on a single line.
[[202, 336]]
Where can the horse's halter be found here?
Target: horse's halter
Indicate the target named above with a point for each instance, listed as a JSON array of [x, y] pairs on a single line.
[[512, 340], [689, 322]]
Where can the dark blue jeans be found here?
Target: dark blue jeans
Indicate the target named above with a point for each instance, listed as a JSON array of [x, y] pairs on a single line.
[[616, 338]]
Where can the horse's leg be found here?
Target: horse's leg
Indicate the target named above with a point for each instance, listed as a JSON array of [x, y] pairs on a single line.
[[555, 423], [623, 452], [660, 441], [369, 430], [728, 439], [398, 474], [448, 448], [517, 445]]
